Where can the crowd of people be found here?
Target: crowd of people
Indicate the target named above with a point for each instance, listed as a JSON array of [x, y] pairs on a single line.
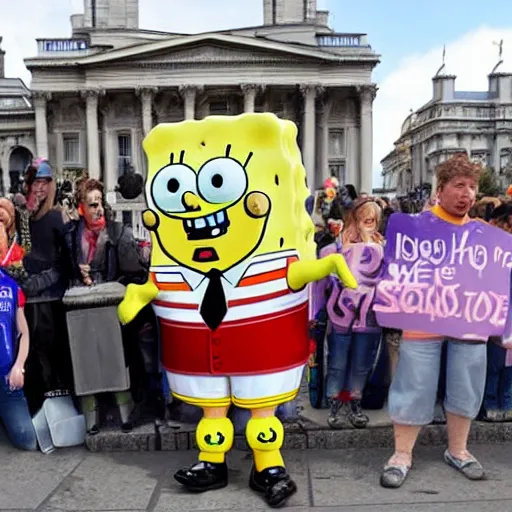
[[55, 244]]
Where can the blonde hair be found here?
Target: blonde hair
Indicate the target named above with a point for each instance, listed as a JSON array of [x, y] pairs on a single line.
[[48, 203], [351, 233]]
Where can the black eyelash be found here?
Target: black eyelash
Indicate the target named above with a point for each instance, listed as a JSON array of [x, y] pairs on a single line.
[[182, 156], [248, 159], [171, 158], [228, 150]]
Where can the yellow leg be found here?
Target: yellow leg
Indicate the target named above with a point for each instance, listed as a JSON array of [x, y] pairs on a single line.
[[265, 436], [214, 435]]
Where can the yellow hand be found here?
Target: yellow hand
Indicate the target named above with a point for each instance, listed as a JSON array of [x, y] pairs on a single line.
[[136, 298], [301, 273]]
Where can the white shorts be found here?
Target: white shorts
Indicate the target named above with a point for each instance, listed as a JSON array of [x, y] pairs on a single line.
[[249, 392]]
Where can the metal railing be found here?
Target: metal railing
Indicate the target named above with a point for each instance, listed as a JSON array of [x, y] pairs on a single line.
[[64, 47], [341, 40]]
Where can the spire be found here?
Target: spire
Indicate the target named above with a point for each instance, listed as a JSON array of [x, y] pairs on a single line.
[[499, 67], [442, 72], [2, 59]]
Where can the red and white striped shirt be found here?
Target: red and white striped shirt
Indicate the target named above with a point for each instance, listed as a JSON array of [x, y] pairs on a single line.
[[251, 290]]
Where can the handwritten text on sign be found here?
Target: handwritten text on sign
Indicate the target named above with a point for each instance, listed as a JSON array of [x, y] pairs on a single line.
[[445, 279], [352, 309]]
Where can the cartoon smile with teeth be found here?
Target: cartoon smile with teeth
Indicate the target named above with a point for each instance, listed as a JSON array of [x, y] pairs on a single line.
[[232, 254], [196, 205]]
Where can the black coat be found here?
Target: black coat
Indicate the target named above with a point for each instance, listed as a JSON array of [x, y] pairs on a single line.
[[119, 261]]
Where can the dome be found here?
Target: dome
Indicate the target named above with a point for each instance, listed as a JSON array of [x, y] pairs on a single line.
[[409, 122]]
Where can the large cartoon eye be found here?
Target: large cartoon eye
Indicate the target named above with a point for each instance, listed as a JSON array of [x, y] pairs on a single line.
[[169, 185], [222, 180]]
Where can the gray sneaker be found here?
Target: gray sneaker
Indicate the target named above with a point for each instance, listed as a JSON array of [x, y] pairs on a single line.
[[470, 468]]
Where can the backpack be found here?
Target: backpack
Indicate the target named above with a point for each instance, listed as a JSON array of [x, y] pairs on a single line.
[[8, 325]]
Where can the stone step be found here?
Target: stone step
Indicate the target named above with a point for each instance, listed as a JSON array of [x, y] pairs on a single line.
[[300, 435]]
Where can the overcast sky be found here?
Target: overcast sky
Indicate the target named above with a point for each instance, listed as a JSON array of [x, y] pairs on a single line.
[[409, 39]]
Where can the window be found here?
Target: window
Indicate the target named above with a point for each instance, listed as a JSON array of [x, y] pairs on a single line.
[[336, 143], [219, 108], [71, 145], [124, 152], [337, 169]]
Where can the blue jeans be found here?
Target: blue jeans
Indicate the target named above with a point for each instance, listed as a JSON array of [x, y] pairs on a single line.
[[498, 389], [413, 392], [16, 418], [349, 362]]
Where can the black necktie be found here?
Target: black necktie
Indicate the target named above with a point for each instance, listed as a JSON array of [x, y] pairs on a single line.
[[213, 308]]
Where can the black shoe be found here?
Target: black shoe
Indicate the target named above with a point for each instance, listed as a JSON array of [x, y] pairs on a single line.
[[356, 415], [203, 476], [126, 427], [275, 483], [338, 414], [94, 430]]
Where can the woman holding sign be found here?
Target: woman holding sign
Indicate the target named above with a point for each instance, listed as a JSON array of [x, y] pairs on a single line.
[[412, 395], [354, 335]]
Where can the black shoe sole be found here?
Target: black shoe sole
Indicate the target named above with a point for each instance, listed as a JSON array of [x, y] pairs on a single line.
[[198, 489]]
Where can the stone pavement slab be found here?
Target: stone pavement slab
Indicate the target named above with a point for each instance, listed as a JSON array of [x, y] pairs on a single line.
[[114, 482], [329, 480], [27, 479]]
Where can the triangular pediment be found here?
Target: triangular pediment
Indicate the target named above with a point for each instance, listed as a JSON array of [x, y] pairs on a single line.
[[213, 53], [210, 48]]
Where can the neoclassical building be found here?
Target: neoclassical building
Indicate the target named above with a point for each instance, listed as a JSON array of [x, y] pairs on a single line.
[[476, 122], [97, 94]]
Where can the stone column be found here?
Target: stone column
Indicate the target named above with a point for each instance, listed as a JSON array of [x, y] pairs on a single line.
[[146, 95], [324, 126], [189, 93], [250, 92], [40, 100], [366, 95], [352, 161], [93, 139], [309, 93], [109, 155]]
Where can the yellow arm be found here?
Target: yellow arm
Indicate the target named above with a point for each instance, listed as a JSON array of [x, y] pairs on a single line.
[[137, 297], [301, 273]]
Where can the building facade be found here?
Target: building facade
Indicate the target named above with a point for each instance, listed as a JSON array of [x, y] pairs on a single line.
[[478, 123], [17, 128], [97, 94]]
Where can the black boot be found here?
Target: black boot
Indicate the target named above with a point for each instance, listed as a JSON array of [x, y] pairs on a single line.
[[275, 483], [203, 476], [356, 415]]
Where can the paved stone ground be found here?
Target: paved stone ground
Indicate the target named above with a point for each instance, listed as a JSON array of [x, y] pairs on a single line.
[[329, 480]]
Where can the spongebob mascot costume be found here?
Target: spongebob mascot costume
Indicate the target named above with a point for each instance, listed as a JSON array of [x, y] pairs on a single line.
[[232, 254]]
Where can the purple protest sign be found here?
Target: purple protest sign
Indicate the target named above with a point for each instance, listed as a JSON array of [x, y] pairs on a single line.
[[445, 279], [352, 309]]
